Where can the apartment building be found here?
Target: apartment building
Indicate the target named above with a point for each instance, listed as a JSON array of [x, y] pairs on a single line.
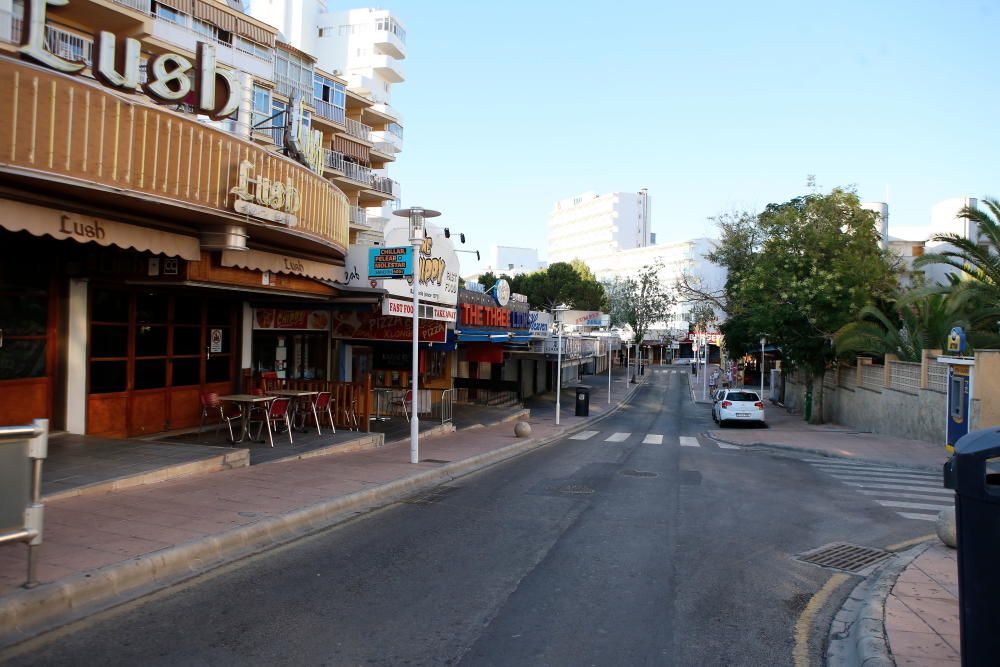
[[365, 49], [594, 228]]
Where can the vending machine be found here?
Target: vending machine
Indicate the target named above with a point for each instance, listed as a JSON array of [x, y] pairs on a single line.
[[961, 372]]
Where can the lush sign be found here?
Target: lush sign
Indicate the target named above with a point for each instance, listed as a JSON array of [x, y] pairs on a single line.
[[168, 80]]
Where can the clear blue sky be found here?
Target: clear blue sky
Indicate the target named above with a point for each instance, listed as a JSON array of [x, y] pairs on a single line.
[[509, 106]]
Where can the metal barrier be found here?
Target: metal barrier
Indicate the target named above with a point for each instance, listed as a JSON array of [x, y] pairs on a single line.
[[445, 407], [22, 450]]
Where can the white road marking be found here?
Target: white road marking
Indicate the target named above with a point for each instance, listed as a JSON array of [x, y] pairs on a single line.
[[583, 435], [653, 439], [895, 494], [831, 467], [882, 473], [617, 437], [724, 445], [912, 506], [904, 480], [901, 487], [688, 441], [920, 517]]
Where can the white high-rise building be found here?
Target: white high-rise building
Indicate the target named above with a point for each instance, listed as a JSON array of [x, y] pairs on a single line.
[[366, 48], [514, 261], [881, 210], [593, 228]]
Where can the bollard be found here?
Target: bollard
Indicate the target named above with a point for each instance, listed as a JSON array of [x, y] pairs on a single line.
[[973, 472]]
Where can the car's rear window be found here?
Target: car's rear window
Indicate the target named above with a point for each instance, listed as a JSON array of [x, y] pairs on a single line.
[[742, 396]]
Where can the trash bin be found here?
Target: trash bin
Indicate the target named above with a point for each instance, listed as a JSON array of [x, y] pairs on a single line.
[[582, 401], [973, 472], [809, 404]]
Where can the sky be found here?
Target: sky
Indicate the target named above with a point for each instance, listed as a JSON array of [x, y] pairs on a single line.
[[713, 106]]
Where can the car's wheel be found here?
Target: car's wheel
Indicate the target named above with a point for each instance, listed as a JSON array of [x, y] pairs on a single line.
[[722, 423]]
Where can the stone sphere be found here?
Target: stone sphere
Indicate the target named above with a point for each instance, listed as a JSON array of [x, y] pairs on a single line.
[[522, 429], [945, 526]]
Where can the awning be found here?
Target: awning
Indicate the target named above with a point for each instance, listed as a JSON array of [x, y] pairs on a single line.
[[492, 336], [268, 261], [42, 221]]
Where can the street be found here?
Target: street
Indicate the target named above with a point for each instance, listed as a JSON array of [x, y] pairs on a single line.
[[636, 542]]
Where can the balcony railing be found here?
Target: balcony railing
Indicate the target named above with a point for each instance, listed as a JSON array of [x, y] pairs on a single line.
[[286, 86], [352, 170], [385, 185], [384, 147], [356, 128], [58, 41], [328, 110], [358, 216], [144, 6]]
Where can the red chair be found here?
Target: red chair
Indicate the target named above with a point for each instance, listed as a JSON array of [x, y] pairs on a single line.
[[212, 408], [275, 414], [323, 407]]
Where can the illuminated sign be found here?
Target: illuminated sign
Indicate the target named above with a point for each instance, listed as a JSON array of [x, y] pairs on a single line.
[[168, 80], [271, 200], [390, 262]]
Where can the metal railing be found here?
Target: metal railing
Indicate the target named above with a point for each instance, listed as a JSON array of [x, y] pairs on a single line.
[[329, 111], [61, 42], [356, 128], [286, 86], [500, 398], [357, 216], [384, 184], [22, 451], [144, 6], [384, 147]]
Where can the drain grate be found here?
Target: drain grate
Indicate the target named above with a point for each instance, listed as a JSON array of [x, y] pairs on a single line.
[[433, 496], [845, 557], [640, 473], [434, 461]]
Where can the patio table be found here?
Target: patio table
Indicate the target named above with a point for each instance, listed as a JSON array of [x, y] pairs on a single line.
[[246, 403], [297, 395]]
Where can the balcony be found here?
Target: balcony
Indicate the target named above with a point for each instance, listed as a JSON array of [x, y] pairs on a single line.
[[259, 63], [357, 217], [388, 68], [353, 171], [329, 111], [385, 185], [390, 44], [384, 151], [359, 130], [144, 6]]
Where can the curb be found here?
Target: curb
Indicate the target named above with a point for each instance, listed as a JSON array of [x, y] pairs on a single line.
[[829, 455], [857, 635], [28, 613]]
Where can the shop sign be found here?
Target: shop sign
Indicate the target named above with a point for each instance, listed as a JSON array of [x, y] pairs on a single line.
[[172, 78], [539, 323], [271, 262], [279, 318], [371, 326], [270, 200], [216, 341], [396, 262], [400, 308], [584, 318], [436, 266], [501, 292], [476, 315]]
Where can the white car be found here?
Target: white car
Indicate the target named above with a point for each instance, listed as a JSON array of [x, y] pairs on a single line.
[[738, 405]]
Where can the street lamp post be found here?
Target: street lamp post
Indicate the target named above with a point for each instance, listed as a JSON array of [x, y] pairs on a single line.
[[763, 340], [416, 215], [609, 369], [559, 328]]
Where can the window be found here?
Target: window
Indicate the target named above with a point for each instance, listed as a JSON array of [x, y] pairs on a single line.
[[253, 48], [292, 74]]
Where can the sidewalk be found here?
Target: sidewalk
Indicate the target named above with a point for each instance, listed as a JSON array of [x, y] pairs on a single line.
[[105, 549]]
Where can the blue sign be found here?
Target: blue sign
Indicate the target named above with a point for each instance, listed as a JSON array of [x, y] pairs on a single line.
[[390, 262], [956, 340]]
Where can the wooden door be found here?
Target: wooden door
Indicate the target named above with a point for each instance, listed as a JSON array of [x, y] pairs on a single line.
[[28, 312]]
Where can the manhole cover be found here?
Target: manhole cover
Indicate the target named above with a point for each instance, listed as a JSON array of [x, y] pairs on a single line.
[[434, 461], [574, 488], [640, 473], [432, 496], [845, 557]]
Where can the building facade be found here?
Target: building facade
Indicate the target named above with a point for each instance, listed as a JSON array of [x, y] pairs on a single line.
[[593, 228]]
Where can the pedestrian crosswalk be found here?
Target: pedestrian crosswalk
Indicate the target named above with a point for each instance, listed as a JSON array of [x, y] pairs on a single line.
[[614, 437], [912, 494]]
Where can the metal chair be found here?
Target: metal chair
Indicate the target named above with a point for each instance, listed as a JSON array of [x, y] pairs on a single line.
[[212, 408], [276, 413], [322, 406], [402, 402]]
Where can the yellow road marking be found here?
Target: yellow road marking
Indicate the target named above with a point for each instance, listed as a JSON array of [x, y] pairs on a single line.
[[909, 543], [801, 651]]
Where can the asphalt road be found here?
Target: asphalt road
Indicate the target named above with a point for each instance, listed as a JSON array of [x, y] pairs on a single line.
[[585, 552]]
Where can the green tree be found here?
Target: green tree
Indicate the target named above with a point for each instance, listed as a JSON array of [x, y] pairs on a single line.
[[799, 272], [561, 283], [639, 300]]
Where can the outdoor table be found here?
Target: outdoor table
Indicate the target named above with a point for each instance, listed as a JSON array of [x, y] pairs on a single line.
[[246, 402], [297, 395], [381, 394]]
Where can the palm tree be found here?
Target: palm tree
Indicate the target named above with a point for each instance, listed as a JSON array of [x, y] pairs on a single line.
[[979, 261], [904, 327]]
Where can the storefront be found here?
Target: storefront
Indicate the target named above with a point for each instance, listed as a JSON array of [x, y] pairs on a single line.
[[135, 240]]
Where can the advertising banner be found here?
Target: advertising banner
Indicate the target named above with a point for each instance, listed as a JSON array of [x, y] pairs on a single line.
[[401, 308], [372, 326], [396, 262], [279, 318]]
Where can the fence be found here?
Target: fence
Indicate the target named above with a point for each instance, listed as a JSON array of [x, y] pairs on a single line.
[[904, 376], [937, 377], [22, 450], [350, 402]]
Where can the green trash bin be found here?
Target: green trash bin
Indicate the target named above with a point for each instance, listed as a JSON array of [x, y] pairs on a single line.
[[809, 404]]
